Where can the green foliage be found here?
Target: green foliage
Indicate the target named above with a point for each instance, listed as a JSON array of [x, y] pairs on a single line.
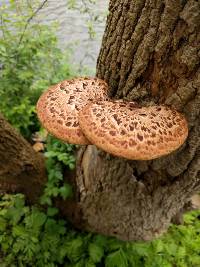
[[30, 62], [58, 156], [32, 237], [92, 18]]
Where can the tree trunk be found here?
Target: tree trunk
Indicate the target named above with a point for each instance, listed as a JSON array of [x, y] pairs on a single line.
[[150, 54], [21, 168]]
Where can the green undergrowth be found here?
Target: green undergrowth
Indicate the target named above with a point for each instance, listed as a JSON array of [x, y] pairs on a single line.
[[59, 157], [30, 61], [31, 236], [37, 235]]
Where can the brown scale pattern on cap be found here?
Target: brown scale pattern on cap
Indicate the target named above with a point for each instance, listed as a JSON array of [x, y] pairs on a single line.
[[137, 133], [58, 107]]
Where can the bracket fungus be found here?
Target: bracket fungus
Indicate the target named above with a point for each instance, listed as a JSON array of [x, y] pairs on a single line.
[[58, 107], [137, 133]]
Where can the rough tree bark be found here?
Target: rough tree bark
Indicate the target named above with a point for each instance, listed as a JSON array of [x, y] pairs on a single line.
[[21, 168], [150, 54]]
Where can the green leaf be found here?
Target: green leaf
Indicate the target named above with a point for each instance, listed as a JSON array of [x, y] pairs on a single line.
[[45, 200], [89, 263], [113, 244], [19, 202], [142, 249], [50, 154], [20, 231], [117, 259], [3, 224], [181, 252], [66, 191], [36, 219], [52, 211], [75, 249], [14, 215], [95, 252], [101, 241], [158, 246]]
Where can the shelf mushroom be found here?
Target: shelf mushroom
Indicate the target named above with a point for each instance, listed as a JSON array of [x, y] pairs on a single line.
[[58, 107], [137, 133]]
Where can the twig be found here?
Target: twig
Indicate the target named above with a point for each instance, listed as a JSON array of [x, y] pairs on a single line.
[[2, 24], [29, 19]]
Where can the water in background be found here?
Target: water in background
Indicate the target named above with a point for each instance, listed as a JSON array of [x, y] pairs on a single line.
[[73, 30]]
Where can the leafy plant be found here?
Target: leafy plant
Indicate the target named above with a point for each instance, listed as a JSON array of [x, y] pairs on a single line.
[[28, 235], [92, 18], [31, 237], [30, 62], [58, 156]]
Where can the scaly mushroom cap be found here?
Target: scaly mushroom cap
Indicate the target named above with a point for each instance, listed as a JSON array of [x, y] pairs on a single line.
[[137, 133], [58, 107]]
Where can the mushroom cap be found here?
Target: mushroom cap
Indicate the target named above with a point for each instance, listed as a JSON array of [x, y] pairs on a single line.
[[133, 132], [58, 107]]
